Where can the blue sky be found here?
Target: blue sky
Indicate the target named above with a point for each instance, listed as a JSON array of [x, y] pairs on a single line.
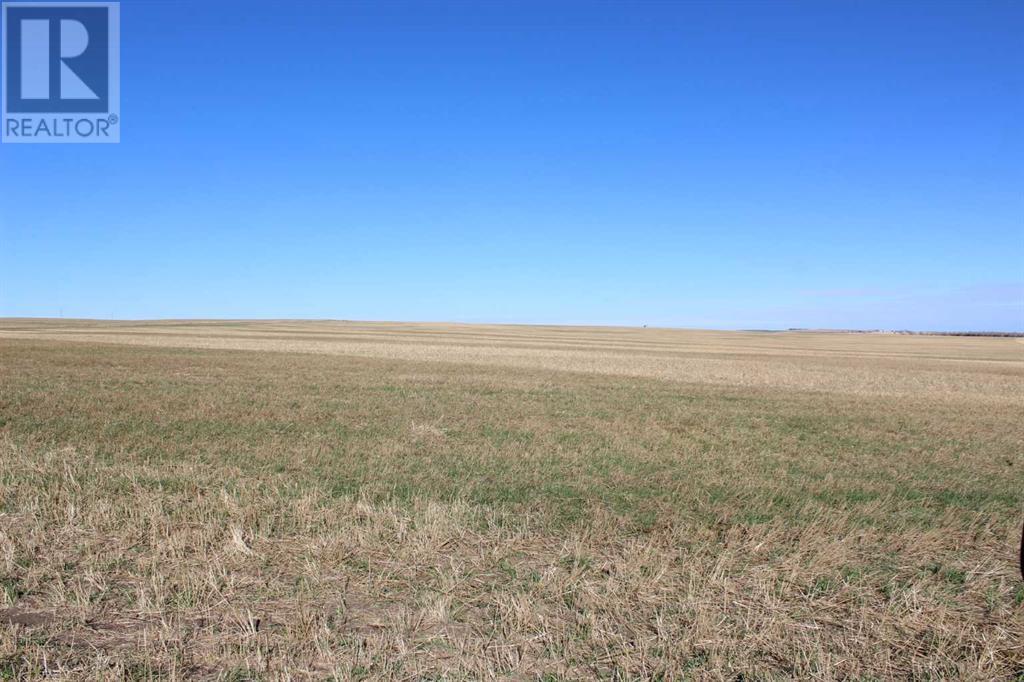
[[726, 164]]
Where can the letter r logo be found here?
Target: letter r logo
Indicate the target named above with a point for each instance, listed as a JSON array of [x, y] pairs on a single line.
[[61, 71], [57, 58], [35, 59]]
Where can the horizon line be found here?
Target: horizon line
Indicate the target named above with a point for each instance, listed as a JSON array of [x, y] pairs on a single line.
[[776, 330]]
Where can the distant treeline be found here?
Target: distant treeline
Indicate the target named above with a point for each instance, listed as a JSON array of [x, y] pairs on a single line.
[[906, 331], [1010, 334]]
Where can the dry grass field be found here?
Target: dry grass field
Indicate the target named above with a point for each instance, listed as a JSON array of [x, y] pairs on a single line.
[[329, 500]]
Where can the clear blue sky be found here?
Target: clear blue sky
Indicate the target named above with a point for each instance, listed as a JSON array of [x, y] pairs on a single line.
[[720, 164]]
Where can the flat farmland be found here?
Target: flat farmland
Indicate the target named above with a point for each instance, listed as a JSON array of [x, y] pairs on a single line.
[[336, 500]]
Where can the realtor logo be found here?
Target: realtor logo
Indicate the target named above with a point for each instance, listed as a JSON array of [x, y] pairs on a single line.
[[61, 73]]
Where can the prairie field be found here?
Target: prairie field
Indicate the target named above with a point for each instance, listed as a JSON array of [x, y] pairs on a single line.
[[285, 500]]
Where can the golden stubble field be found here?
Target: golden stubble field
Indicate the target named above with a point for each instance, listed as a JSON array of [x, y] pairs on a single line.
[[308, 500]]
